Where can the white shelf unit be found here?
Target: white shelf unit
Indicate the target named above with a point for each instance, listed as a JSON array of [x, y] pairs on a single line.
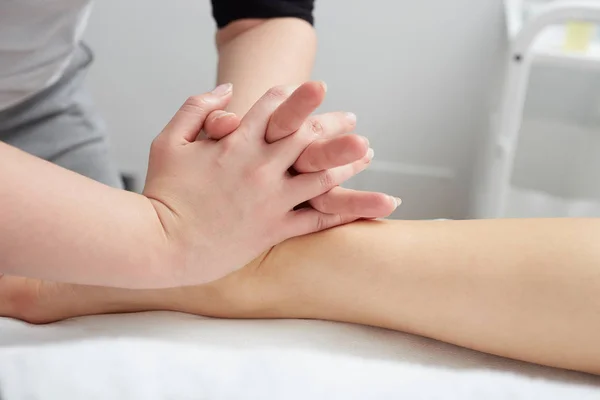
[[534, 37]]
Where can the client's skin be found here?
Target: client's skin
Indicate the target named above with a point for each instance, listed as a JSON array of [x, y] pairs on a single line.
[[524, 289]]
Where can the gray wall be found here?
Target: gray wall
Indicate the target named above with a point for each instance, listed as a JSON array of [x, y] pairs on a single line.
[[557, 154], [419, 75]]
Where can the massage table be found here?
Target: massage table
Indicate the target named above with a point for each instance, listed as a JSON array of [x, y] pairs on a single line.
[[161, 355]]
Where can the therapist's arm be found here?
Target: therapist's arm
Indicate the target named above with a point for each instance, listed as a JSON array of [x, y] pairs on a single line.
[[59, 225], [262, 44]]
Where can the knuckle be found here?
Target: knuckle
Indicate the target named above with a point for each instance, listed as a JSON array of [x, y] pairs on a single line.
[[322, 223], [327, 180], [278, 92], [196, 105], [327, 221], [159, 145], [196, 101], [315, 127]]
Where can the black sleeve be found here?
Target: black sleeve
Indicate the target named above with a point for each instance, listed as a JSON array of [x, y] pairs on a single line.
[[226, 11]]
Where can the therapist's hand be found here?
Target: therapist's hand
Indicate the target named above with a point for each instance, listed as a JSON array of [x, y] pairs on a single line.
[[333, 147], [222, 203]]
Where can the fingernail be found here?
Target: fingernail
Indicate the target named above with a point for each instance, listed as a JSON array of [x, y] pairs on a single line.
[[365, 140], [222, 90], [324, 86], [396, 200], [223, 114], [370, 154], [351, 117]]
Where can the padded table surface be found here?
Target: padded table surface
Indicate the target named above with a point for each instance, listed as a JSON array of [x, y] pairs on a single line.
[[175, 356]]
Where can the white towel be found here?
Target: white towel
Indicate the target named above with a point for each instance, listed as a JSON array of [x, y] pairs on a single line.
[[175, 356]]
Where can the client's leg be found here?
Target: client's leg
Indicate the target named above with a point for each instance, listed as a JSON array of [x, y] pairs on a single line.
[[526, 289]]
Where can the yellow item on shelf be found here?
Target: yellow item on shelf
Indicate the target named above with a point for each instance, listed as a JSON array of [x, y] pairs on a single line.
[[578, 36]]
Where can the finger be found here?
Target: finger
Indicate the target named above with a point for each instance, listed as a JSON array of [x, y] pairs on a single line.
[[304, 187], [307, 220], [257, 119], [292, 113], [330, 153], [290, 149], [220, 124], [353, 202], [187, 122], [331, 124]]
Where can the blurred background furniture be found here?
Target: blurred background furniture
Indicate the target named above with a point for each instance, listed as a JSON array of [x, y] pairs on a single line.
[[546, 164]]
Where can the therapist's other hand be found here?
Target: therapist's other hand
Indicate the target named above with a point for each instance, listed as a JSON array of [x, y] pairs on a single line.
[[333, 147], [222, 203]]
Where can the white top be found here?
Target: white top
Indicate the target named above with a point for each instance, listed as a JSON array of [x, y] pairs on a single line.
[[37, 41]]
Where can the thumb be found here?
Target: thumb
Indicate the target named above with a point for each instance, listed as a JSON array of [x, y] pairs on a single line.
[[220, 123], [189, 119]]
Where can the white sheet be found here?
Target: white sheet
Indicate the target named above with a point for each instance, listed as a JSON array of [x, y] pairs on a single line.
[[174, 356]]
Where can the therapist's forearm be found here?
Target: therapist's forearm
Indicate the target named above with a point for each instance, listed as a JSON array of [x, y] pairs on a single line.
[[61, 226], [256, 55]]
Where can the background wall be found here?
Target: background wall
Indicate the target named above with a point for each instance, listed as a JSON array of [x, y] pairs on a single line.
[[418, 74]]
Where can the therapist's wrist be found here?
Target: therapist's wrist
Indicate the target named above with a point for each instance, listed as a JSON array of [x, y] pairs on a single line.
[[149, 259]]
